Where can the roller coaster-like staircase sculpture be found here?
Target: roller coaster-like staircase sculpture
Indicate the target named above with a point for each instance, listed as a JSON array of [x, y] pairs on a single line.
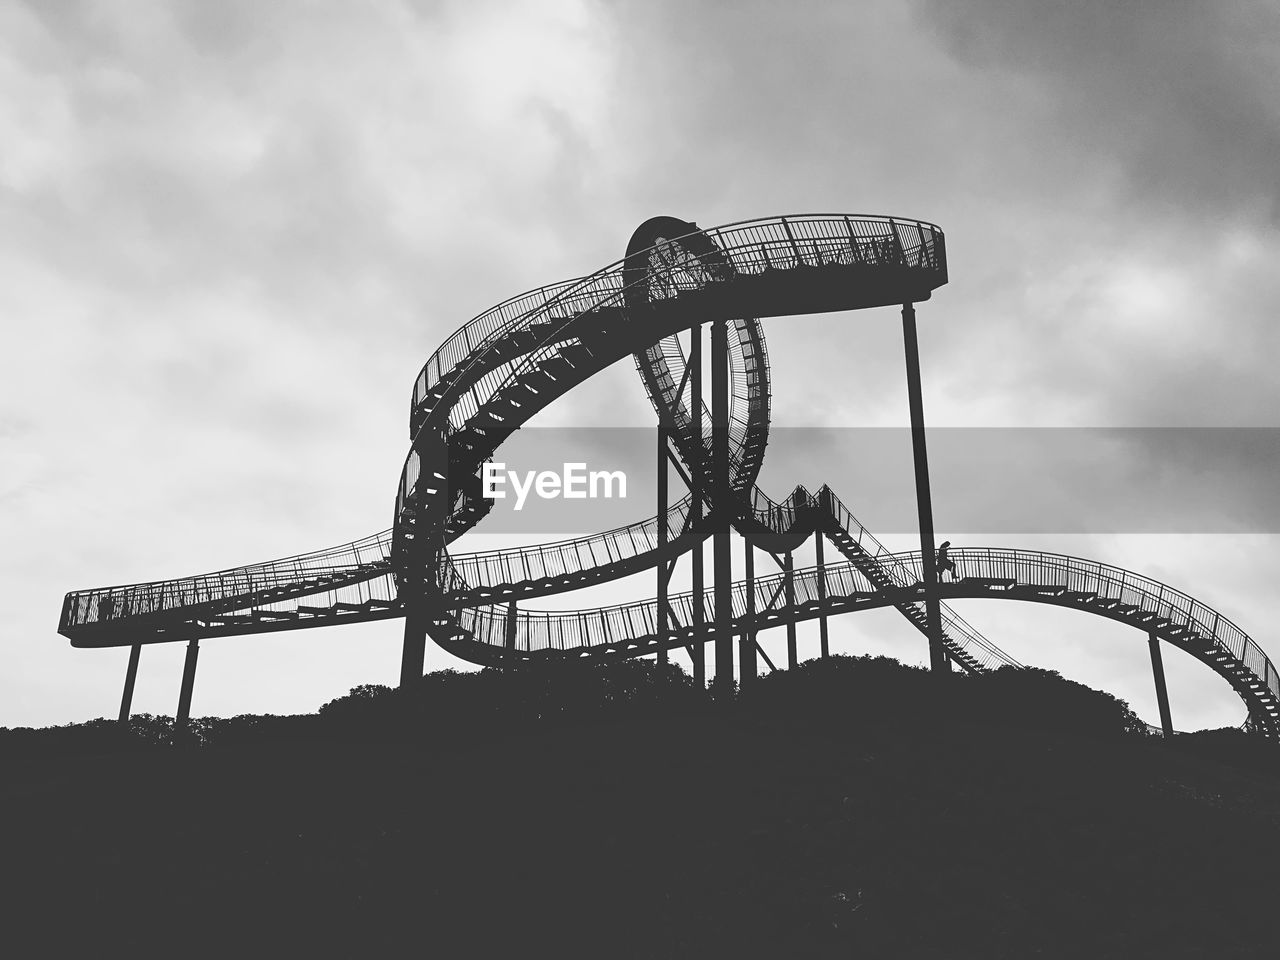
[[497, 371]]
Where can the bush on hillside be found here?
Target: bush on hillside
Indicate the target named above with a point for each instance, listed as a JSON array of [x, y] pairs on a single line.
[[867, 689], [449, 706], [455, 705], [1230, 745], [1044, 700]]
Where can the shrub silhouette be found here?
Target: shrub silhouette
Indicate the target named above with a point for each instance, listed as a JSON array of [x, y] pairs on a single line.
[[450, 706], [642, 820], [476, 704], [865, 689], [842, 689], [1230, 745], [1042, 699]]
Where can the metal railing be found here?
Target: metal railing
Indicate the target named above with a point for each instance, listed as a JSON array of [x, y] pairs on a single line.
[[570, 630], [578, 630], [748, 400], [751, 247], [566, 558], [1123, 586], [826, 238], [954, 626], [348, 563]]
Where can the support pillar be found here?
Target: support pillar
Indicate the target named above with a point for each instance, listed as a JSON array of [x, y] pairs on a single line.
[[699, 649], [414, 654], [664, 570], [721, 510], [747, 639], [188, 684], [1162, 692], [130, 677], [789, 588], [823, 642], [938, 661], [509, 631], [424, 559]]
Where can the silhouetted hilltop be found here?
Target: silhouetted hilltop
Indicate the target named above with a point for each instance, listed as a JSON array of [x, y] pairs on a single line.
[[492, 703], [849, 807]]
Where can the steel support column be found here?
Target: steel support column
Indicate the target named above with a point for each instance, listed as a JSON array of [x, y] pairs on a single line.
[[509, 631], [747, 639], [414, 653], [721, 511], [789, 598], [188, 685], [1162, 692], [130, 677], [823, 642], [433, 454], [699, 654], [924, 503], [662, 568]]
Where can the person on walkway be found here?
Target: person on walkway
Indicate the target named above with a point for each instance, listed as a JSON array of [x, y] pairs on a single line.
[[945, 562]]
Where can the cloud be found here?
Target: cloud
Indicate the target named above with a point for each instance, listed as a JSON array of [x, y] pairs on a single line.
[[1177, 95]]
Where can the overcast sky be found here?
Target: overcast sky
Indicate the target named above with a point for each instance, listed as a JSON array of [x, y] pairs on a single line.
[[230, 234]]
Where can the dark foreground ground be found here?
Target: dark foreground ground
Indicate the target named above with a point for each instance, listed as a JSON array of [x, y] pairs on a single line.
[[827, 818]]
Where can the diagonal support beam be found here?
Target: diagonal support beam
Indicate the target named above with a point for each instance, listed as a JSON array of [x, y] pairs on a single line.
[[769, 607], [924, 504], [183, 718], [130, 678], [765, 657], [1162, 692], [675, 462], [684, 380]]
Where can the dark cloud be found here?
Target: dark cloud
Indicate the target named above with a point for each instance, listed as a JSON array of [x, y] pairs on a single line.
[[1179, 94]]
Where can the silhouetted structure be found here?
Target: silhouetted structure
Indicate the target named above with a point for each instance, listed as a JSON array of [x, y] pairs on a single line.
[[498, 370]]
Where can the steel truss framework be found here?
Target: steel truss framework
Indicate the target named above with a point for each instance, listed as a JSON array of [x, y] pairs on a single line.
[[497, 371]]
